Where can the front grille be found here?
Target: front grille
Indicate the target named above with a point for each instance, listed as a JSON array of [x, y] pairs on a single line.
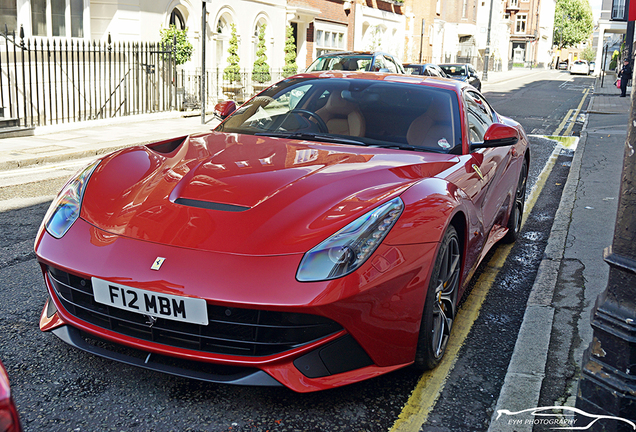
[[231, 331]]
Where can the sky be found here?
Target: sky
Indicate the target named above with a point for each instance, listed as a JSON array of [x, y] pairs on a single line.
[[596, 8]]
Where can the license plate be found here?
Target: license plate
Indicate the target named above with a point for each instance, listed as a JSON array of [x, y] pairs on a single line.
[[177, 308]]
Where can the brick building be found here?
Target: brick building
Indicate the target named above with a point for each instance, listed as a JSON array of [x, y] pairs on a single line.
[[336, 25]]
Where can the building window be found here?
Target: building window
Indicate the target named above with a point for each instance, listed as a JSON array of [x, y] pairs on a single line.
[[513, 4], [438, 7], [77, 18], [464, 7], [38, 17], [8, 14], [329, 37], [176, 19], [520, 23], [52, 18], [618, 9]]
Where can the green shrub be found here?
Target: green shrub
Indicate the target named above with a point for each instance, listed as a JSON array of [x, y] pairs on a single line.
[[184, 48], [233, 71], [260, 72], [290, 67]]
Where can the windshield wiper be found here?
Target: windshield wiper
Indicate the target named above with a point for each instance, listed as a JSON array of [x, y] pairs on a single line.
[[407, 147], [311, 136]]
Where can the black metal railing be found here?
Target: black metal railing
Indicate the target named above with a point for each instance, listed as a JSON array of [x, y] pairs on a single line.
[[46, 82], [217, 87]]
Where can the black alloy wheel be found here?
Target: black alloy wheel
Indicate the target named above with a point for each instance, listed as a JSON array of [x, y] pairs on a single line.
[[516, 213], [441, 303]]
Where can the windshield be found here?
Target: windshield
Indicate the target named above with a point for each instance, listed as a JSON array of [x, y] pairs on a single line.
[[455, 70], [344, 62], [365, 112]]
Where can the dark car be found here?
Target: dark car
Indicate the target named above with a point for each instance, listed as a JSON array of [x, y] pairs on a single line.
[[361, 61], [426, 69], [462, 72]]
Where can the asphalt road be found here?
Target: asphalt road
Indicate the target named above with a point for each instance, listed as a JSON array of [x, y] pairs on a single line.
[[58, 388]]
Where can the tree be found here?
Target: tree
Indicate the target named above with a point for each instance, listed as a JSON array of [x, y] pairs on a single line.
[[573, 22], [290, 67], [588, 54], [260, 73], [183, 51], [233, 71]]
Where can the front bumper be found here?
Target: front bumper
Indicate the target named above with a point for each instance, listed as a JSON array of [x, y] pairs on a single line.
[[377, 309]]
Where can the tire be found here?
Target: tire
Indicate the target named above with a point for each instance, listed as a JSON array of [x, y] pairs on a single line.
[[516, 213], [441, 303]]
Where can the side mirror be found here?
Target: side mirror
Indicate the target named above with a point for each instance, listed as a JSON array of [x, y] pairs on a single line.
[[498, 135], [224, 109]]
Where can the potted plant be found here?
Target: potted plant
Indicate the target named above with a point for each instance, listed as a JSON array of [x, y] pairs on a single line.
[[290, 67], [232, 72], [260, 72]]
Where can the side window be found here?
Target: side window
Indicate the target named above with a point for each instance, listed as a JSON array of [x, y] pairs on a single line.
[[432, 71], [389, 64], [379, 64], [479, 116]]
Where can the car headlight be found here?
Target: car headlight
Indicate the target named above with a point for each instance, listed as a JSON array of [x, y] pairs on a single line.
[[349, 248], [65, 208]]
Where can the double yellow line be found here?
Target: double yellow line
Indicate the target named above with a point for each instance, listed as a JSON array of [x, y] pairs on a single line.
[[427, 391], [571, 118]]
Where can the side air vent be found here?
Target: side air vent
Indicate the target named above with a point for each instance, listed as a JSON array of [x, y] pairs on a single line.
[[210, 205]]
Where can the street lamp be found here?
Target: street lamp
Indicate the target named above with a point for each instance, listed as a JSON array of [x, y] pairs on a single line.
[[487, 50]]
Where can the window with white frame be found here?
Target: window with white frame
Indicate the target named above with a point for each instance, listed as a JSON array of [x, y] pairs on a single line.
[[57, 18], [8, 14], [618, 9], [520, 23], [513, 3], [329, 37], [464, 8]]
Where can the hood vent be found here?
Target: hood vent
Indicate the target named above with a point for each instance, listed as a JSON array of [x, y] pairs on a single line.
[[210, 205]]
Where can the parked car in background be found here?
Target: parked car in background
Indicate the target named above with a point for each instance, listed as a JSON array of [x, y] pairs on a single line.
[[323, 234], [592, 67], [581, 67], [563, 65], [357, 61], [426, 69], [462, 72], [9, 419]]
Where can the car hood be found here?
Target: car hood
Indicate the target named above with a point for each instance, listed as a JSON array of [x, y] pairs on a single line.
[[246, 194]]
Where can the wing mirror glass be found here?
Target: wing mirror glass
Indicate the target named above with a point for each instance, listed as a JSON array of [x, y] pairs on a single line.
[[498, 135], [224, 109]]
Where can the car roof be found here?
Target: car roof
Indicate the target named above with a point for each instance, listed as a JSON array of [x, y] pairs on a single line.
[[439, 82], [343, 53]]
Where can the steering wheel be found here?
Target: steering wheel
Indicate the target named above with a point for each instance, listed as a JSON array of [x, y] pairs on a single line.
[[322, 126]]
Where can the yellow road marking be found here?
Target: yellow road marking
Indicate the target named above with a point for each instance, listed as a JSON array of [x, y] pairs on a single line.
[[576, 113], [563, 122], [427, 391], [569, 116]]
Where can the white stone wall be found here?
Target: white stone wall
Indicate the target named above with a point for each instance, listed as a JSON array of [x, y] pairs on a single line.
[[377, 30]]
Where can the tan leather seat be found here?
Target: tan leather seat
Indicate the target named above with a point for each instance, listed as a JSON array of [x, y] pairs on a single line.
[[434, 128], [342, 117]]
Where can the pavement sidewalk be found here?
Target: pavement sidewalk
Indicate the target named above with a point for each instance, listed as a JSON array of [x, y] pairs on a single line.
[[546, 363]]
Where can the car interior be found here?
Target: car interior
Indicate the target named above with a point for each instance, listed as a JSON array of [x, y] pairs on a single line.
[[375, 113]]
